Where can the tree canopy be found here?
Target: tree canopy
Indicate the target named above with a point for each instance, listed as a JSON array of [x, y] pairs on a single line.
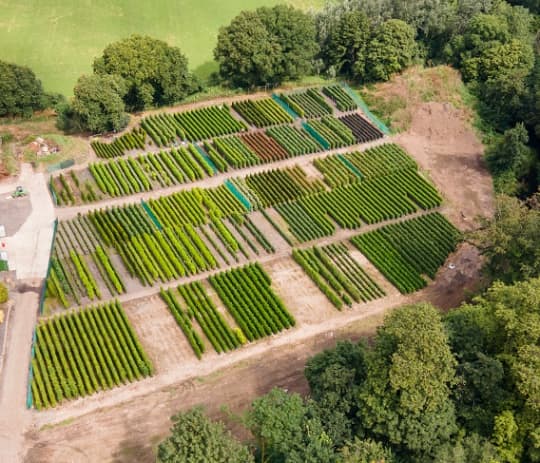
[[97, 105], [503, 388], [344, 48], [155, 73], [196, 439], [390, 50], [510, 241], [287, 430], [405, 399], [21, 92], [266, 46], [334, 378]]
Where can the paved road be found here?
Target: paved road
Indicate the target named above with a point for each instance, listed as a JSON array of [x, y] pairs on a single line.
[[28, 249], [28, 255]]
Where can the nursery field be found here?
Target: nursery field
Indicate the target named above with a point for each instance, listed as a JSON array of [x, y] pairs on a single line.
[[172, 148], [78, 31], [285, 179]]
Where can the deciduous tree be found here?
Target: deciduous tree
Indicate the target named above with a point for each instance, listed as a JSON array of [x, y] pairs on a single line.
[[510, 241], [287, 430], [267, 46], [97, 105], [21, 92], [346, 43], [390, 50], [405, 399], [196, 439], [155, 73]]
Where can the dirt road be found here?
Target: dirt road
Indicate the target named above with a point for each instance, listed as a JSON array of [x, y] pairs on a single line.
[[65, 213], [128, 432], [14, 416]]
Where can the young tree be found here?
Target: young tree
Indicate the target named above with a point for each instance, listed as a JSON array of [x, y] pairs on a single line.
[[155, 73], [196, 439], [21, 92], [405, 399], [3, 293], [390, 50], [97, 105], [267, 46]]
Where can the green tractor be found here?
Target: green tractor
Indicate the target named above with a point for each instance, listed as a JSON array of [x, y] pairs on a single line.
[[19, 192]]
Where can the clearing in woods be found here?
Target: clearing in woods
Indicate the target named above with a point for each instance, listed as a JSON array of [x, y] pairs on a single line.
[[125, 424]]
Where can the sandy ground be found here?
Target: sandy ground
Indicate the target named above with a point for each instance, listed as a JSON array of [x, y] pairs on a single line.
[[452, 154], [126, 423]]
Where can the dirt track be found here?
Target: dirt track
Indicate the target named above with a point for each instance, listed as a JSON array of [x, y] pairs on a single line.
[[125, 424]]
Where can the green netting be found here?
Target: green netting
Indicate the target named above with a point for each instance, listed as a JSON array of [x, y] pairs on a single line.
[[29, 396], [316, 135], [206, 158], [61, 165], [53, 194], [350, 166], [44, 287], [362, 105], [238, 194], [3, 265], [151, 214], [284, 105]]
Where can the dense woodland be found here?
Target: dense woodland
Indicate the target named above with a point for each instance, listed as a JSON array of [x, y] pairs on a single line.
[[429, 387]]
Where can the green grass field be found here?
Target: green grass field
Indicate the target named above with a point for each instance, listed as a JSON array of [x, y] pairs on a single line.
[[59, 39]]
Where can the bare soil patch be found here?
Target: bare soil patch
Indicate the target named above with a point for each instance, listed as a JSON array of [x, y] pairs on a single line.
[[444, 144], [426, 107], [459, 278]]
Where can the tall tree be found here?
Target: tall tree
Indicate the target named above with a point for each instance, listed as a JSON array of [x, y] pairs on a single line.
[[196, 439], [334, 378], [287, 430], [347, 42], [21, 92], [97, 105], [508, 320], [390, 50], [510, 241], [267, 46], [245, 51], [155, 73], [405, 399]]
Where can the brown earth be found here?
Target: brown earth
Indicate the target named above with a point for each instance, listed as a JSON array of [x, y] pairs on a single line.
[[452, 154], [125, 425]]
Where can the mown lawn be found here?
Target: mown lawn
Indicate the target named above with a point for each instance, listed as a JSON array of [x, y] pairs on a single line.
[[59, 39]]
